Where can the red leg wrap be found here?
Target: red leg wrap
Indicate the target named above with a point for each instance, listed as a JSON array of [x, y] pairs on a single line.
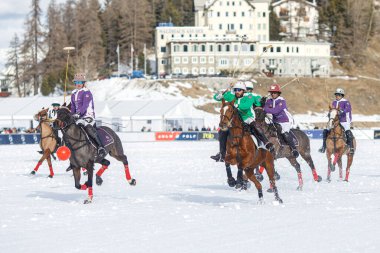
[[300, 180], [315, 175], [83, 169], [127, 174], [347, 174], [37, 166], [336, 156], [83, 187], [261, 169], [51, 170], [101, 170], [90, 194]]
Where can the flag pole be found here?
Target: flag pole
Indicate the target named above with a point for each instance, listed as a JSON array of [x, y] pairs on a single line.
[[67, 68]]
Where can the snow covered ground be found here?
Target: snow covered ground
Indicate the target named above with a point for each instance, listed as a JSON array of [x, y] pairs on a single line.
[[182, 204]]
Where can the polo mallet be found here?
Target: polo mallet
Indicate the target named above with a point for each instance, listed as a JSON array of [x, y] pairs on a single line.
[[67, 68]]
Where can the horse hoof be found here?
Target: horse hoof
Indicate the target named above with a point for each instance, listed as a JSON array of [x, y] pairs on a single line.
[[279, 200], [270, 190], [261, 201], [133, 182], [33, 172], [99, 180], [231, 182], [244, 186], [68, 169], [328, 180], [299, 188], [259, 177], [319, 179], [87, 201], [50, 176], [332, 167], [276, 176]]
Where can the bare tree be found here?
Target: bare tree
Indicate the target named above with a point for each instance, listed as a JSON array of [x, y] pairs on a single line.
[[13, 62]]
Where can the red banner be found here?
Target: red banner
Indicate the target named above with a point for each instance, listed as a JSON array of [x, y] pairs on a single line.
[[167, 136]]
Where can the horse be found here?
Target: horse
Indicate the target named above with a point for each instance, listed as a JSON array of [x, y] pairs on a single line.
[[84, 152], [48, 141], [336, 144], [273, 135], [242, 151]]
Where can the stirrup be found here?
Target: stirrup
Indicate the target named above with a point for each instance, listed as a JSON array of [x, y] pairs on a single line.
[[102, 152], [295, 153]]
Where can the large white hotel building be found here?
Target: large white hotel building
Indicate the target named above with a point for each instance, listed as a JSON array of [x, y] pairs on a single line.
[[233, 36]]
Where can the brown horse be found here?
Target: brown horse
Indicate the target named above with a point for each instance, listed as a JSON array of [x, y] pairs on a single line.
[[284, 151], [336, 144], [48, 142], [242, 151]]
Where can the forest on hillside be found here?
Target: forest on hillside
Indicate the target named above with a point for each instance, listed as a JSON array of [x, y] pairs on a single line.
[[38, 60]]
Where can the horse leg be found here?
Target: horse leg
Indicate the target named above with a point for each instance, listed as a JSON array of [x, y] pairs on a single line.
[[249, 173], [307, 157], [44, 156], [329, 165], [88, 184], [259, 173], [123, 158], [51, 175], [350, 159], [269, 167], [239, 178], [105, 163], [296, 165], [230, 179], [340, 168]]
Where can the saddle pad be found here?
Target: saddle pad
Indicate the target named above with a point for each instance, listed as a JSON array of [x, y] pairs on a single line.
[[258, 143], [105, 137], [295, 140]]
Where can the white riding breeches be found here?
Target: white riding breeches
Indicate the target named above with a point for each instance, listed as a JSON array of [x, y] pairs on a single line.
[[86, 121], [346, 125], [285, 127], [249, 120]]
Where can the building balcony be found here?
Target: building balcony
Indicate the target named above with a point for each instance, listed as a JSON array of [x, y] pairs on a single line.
[[272, 67]]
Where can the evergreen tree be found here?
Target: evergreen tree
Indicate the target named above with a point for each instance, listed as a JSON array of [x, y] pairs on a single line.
[[13, 61], [274, 25]]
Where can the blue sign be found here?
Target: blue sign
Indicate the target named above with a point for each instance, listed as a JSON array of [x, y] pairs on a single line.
[[314, 134], [11, 139], [187, 136]]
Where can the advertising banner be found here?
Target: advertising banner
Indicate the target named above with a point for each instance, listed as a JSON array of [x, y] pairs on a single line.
[[11, 139], [376, 134]]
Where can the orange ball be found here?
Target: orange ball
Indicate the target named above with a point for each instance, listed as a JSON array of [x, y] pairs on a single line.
[[63, 153]]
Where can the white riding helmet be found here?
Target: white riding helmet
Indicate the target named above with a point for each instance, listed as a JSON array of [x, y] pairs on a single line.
[[248, 84], [339, 91], [239, 85]]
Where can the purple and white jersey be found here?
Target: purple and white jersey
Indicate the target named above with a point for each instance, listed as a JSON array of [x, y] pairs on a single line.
[[277, 107], [345, 106], [82, 103]]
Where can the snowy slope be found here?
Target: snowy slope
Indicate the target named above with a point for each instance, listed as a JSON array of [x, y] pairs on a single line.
[[182, 204]]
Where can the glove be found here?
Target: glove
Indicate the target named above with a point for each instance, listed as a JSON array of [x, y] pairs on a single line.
[[219, 96], [76, 116]]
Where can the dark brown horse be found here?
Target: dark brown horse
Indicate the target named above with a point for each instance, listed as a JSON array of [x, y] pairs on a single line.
[[242, 151], [336, 144], [48, 142], [273, 135]]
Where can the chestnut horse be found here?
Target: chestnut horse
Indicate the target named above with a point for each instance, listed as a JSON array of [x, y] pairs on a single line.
[[285, 151], [336, 144], [48, 142], [242, 151]]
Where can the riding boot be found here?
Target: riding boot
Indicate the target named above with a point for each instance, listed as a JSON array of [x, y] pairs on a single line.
[[94, 135], [222, 147], [323, 148], [256, 131], [288, 138], [350, 138]]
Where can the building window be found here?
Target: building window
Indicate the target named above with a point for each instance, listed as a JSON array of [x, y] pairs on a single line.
[[297, 49], [177, 70], [211, 60], [241, 26], [202, 60], [218, 14], [250, 13], [236, 48], [163, 62], [248, 62], [264, 14], [264, 37], [264, 26], [233, 3], [211, 71], [287, 49], [228, 3], [252, 48], [220, 26], [227, 48], [194, 59], [244, 47], [203, 48], [211, 48], [185, 48], [250, 26], [223, 62], [259, 37], [258, 14], [242, 14], [185, 71], [202, 71], [271, 49], [219, 48], [195, 48], [172, 35], [185, 60], [177, 60], [278, 49], [227, 13], [162, 36], [259, 26], [176, 48], [234, 14], [194, 71], [163, 49]]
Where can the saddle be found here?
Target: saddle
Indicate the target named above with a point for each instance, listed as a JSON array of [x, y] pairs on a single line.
[[275, 131], [104, 136]]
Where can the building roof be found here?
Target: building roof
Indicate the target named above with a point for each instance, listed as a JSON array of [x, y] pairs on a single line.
[[309, 2]]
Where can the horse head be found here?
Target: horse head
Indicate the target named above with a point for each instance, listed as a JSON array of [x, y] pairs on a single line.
[[260, 114], [41, 115], [64, 117], [333, 117], [228, 114]]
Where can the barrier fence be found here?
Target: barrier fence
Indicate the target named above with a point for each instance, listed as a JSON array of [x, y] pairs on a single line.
[[11, 139]]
